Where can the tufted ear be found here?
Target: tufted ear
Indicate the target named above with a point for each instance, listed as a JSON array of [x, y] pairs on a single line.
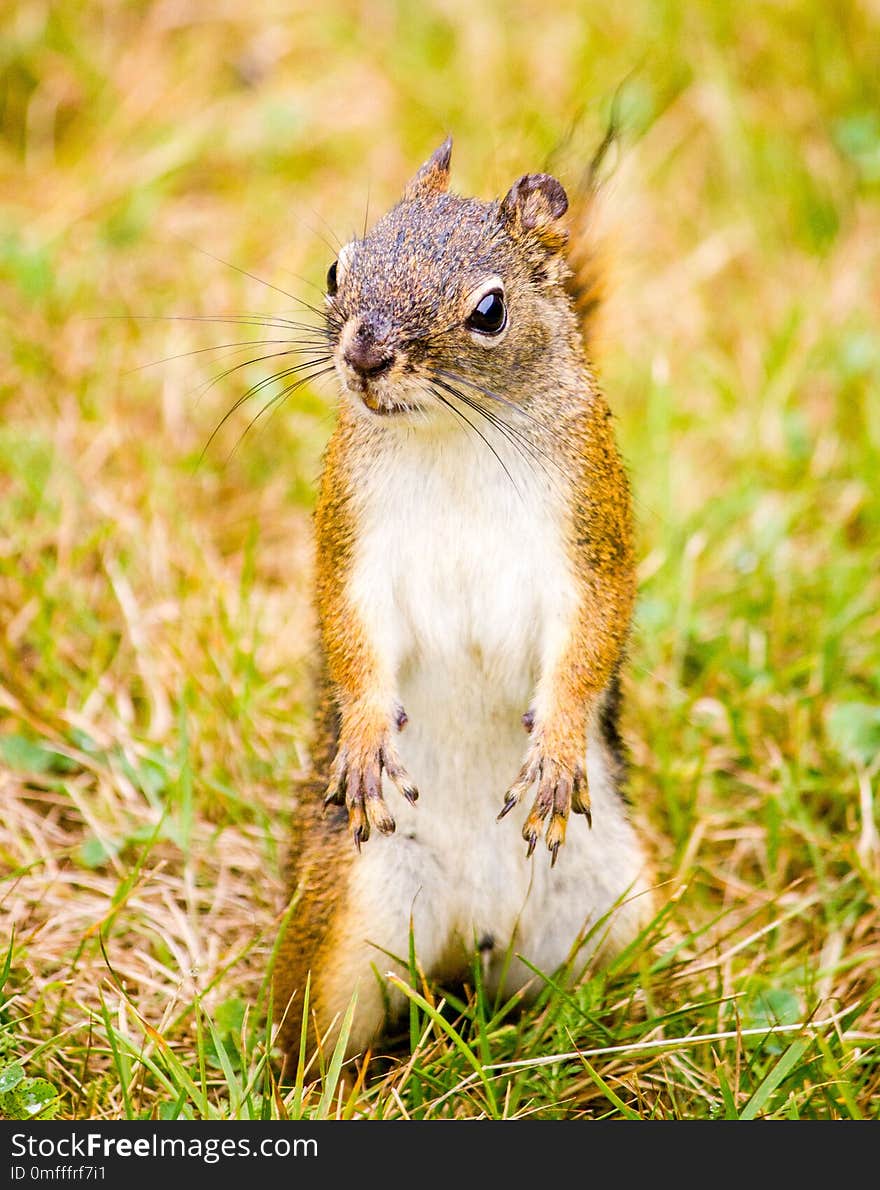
[[533, 205], [433, 177]]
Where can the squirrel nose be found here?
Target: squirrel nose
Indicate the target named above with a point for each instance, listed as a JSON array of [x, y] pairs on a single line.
[[367, 356]]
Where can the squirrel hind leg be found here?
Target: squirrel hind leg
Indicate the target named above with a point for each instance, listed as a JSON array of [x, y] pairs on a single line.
[[344, 969], [331, 993], [349, 927]]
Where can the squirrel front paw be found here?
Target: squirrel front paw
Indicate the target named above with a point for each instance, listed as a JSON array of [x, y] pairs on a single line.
[[365, 752], [562, 789]]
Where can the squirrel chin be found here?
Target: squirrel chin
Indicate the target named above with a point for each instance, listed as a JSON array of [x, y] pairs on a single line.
[[384, 407], [380, 403]]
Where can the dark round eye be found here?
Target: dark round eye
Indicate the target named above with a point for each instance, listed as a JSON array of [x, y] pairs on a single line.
[[489, 316], [331, 279]]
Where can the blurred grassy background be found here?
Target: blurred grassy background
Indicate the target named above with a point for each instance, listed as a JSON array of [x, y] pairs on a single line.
[[154, 606]]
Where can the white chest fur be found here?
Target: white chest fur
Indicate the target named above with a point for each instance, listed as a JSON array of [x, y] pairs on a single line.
[[461, 566]]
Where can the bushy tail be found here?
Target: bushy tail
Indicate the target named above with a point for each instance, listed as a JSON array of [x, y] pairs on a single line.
[[586, 256]]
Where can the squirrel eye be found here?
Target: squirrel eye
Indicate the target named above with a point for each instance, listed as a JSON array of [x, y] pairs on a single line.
[[331, 279], [489, 316]]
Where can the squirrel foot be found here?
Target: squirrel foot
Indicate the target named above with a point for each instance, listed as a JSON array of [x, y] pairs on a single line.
[[356, 782], [562, 789]]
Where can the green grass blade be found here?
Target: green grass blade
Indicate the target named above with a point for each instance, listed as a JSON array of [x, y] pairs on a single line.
[[780, 1071], [331, 1078], [609, 1093], [120, 1060], [456, 1039], [296, 1110]]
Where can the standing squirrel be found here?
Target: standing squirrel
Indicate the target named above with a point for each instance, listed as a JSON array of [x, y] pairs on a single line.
[[475, 576]]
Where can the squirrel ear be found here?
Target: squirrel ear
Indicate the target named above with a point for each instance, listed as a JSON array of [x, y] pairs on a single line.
[[433, 177], [533, 205]]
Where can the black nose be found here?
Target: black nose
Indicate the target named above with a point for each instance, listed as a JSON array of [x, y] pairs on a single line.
[[367, 354]]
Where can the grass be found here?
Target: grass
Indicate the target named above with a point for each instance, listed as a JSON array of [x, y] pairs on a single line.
[[154, 595]]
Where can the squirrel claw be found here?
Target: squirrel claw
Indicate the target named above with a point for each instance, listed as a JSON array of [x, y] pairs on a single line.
[[359, 825], [534, 826], [527, 775], [509, 803], [356, 782], [379, 817], [556, 835], [398, 775], [562, 790], [335, 795]]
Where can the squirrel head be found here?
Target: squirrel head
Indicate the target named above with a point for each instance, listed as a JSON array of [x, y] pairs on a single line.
[[451, 300]]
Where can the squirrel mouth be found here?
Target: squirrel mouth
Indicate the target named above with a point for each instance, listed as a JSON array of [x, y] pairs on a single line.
[[383, 406], [380, 397], [383, 400]]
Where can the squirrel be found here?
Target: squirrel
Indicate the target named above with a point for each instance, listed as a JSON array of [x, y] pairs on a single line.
[[475, 576]]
